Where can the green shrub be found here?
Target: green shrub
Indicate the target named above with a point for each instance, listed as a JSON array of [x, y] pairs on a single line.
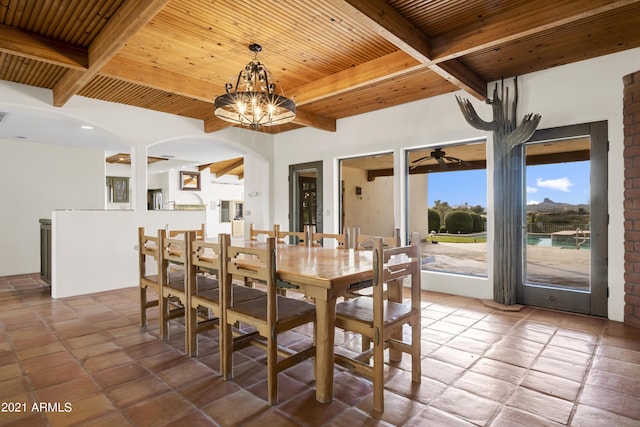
[[459, 222], [478, 222], [433, 218]]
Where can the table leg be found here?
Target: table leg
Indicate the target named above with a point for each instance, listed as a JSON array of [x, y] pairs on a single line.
[[325, 339]]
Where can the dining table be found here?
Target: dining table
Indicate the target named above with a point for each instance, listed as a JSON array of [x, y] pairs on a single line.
[[324, 274]]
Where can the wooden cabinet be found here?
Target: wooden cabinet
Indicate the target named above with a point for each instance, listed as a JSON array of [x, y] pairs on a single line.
[[237, 228]]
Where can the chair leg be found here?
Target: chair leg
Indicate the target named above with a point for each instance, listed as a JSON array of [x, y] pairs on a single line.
[[191, 325], [416, 367], [226, 351], [163, 308], [143, 306], [378, 375], [272, 371]]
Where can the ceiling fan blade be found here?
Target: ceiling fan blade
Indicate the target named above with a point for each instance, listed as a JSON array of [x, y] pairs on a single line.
[[421, 159], [443, 164]]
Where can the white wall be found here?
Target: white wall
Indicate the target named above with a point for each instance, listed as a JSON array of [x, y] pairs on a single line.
[[96, 251], [36, 179]]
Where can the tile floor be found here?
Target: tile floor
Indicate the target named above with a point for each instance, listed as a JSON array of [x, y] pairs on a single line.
[[87, 360]]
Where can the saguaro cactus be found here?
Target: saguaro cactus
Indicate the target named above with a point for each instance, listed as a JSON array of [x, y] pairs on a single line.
[[508, 178]]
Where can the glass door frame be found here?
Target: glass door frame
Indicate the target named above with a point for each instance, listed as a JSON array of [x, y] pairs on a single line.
[[594, 301]]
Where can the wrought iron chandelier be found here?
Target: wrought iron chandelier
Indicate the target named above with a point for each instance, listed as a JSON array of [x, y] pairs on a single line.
[[252, 99]]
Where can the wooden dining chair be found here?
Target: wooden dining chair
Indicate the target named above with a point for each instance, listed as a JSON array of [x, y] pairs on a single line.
[[270, 316], [380, 319], [205, 298], [299, 238], [148, 248], [365, 241], [200, 232], [323, 239], [174, 301], [257, 234]]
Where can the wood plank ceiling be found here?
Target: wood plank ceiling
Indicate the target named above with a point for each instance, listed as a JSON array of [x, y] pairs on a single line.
[[335, 58]]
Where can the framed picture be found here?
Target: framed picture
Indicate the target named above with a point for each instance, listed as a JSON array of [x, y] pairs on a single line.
[[118, 189], [189, 180]]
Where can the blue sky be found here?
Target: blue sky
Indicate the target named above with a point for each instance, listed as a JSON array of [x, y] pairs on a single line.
[[561, 182]]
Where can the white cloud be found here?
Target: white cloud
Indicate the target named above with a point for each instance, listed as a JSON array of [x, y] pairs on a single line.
[[561, 184], [532, 189], [532, 202]]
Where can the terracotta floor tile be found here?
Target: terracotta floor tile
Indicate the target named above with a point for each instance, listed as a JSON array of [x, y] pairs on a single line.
[[560, 368], [511, 356], [159, 410], [616, 366], [165, 361], [148, 349], [567, 355], [118, 375], [287, 388], [81, 410], [306, 410], [47, 361], [111, 419], [72, 390], [514, 417], [479, 367], [87, 340], [469, 345], [476, 409], [440, 371], [272, 417], [14, 387], [492, 388], [86, 352], [194, 419], [137, 390], [7, 372], [56, 375], [615, 382], [587, 416], [186, 373], [204, 392], [433, 417], [106, 361], [611, 401], [542, 405], [454, 356], [219, 410], [552, 385]]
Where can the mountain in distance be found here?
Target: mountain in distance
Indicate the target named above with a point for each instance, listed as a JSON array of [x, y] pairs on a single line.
[[549, 206]]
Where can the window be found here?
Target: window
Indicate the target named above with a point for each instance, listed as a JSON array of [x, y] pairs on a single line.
[[451, 216]]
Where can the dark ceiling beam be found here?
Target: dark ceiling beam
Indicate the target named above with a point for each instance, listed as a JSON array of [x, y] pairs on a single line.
[[228, 168], [379, 69], [517, 23], [390, 24], [21, 43], [124, 24], [148, 76]]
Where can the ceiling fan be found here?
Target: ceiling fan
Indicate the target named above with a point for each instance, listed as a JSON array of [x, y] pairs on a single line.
[[441, 157]]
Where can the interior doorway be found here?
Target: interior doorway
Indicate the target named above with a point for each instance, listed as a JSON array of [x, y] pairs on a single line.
[[305, 196], [565, 219]]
